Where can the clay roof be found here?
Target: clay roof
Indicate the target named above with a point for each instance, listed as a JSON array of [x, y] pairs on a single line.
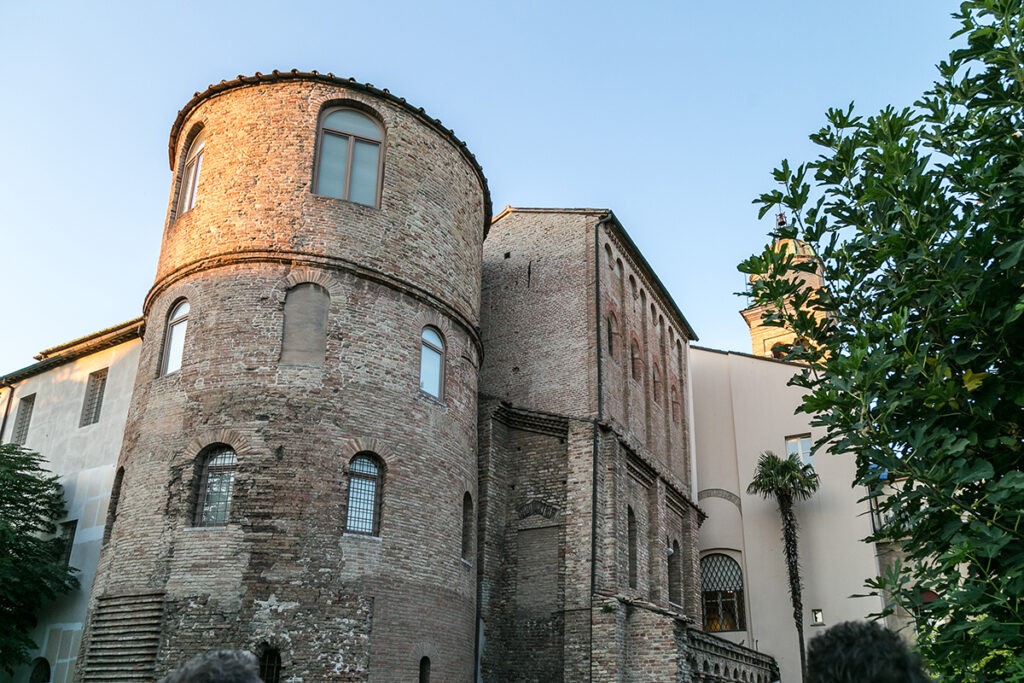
[[295, 75], [73, 350]]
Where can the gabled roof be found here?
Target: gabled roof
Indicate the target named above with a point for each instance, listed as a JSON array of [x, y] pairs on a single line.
[[77, 348]]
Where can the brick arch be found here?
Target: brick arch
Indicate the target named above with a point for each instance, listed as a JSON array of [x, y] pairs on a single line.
[[256, 643], [179, 166], [430, 318], [349, 448], [303, 275], [239, 444]]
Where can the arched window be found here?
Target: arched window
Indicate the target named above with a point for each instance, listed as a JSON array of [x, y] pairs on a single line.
[[631, 543], [425, 670], [115, 498], [636, 361], [270, 665], [675, 593], [304, 341], [216, 484], [364, 494], [190, 175], [467, 527], [677, 409], [722, 593], [349, 160], [432, 362], [613, 336], [40, 672], [656, 374], [174, 338]]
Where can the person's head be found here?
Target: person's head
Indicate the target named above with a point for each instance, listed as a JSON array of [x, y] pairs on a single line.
[[862, 652], [219, 666]]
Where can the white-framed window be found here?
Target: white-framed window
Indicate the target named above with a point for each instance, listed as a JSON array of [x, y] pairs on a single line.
[[174, 338], [190, 175], [432, 362], [800, 445], [349, 160]]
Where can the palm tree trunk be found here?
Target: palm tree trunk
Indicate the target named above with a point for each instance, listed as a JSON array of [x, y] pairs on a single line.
[[789, 538]]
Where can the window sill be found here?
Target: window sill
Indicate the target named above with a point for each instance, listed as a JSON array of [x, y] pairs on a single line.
[[364, 537], [432, 398], [210, 527], [346, 201]]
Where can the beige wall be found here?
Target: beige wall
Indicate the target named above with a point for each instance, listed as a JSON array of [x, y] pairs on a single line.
[[742, 407], [84, 459]]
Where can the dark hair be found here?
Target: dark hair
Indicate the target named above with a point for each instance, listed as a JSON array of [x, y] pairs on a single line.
[[862, 652], [219, 666]]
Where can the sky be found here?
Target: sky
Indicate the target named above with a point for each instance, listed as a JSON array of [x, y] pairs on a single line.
[[671, 114]]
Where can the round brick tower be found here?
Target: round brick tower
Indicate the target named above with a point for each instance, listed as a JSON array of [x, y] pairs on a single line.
[[298, 474]]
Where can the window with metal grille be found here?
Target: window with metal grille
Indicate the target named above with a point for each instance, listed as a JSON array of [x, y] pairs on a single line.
[[93, 398], [631, 543], [364, 489], [67, 539], [722, 592], [270, 665], [801, 446], [216, 486], [21, 420]]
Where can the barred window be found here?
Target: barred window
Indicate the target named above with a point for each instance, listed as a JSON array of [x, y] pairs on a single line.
[[216, 486], [722, 591], [93, 398], [270, 665], [22, 419], [364, 494]]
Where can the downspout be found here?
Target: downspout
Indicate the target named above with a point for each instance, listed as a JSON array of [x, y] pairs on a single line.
[[597, 421], [7, 408]]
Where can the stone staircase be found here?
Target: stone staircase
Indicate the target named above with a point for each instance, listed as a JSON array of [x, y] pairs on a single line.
[[125, 638]]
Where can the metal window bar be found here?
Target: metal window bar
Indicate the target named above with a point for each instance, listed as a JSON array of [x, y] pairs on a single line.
[[270, 665], [218, 485], [722, 594], [363, 497], [93, 398], [22, 420]]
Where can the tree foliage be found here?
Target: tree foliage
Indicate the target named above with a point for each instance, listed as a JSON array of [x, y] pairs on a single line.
[[787, 480], [916, 359], [32, 570]]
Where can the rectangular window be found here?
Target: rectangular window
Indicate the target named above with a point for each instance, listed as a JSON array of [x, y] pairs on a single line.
[[800, 446], [93, 398], [22, 419], [67, 537]]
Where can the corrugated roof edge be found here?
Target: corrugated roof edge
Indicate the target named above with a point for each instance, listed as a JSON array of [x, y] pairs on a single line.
[[295, 74], [83, 346]]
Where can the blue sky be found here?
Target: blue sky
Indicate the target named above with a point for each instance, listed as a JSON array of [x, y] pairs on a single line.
[[672, 114]]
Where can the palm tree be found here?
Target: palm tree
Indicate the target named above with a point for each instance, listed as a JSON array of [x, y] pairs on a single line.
[[787, 480]]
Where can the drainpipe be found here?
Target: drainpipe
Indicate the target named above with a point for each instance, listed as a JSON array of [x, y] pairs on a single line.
[[600, 417], [7, 408]]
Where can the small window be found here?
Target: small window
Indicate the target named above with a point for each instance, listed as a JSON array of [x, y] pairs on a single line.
[[467, 527], [722, 592], [677, 409], [216, 486], [636, 361], [800, 446], [364, 495], [425, 670], [675, 574], [613, 336], [304, 341], [67, 540], [22, 419], [349, 159], [658, 388], [190, 175], [40, 672], [631, 542], [174, 338], [432, 362], [270, 665], [93, 398], [115, 498]]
